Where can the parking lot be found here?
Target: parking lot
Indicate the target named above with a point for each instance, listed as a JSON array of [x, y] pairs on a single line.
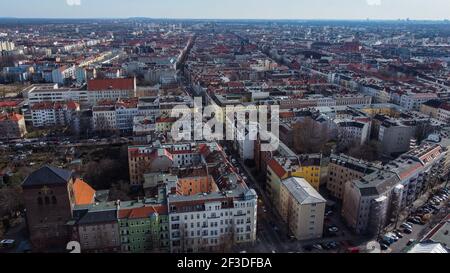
[[420, 221]]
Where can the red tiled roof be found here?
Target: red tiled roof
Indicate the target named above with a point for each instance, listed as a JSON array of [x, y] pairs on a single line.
[[287, 115], [111, 84], [72, 105], [12, 117], [9, 103], [277, 168], [46, 105], [143, 212], [409, 171], [166, 120]]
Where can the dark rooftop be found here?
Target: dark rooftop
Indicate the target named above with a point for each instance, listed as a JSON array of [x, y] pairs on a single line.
[[48, 175]]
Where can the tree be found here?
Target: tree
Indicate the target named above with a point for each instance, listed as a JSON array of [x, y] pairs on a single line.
[[423, 130], [368, 151], [309, 136], [120, 191], [102, 174], [11, 200]]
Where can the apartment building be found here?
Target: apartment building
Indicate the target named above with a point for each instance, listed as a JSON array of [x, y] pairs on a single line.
[[59, 75], [110, 89], [283, 167], [12, 126], [39, 93], [212, 221], [144, 227], [144, 129], [437, 109], [342, 169], [394, 135], [413, 101], [47, 114], [151, 158], [352, 132], [302, 208], [98, 229], [375, 200]]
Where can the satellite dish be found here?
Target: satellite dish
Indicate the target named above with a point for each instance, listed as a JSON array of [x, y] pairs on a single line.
[[373, 247]]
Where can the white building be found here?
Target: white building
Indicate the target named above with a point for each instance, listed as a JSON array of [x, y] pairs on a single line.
[[413, 101], [351, 131], [104, 118], [111, 89], [38, 93], [212, 222], [59, 75], [53, 113]]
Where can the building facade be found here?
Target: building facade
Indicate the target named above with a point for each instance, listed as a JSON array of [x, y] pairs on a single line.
[[12, 126], [302, 208]]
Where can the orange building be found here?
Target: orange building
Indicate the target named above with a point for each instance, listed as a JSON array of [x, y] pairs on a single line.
[[196, 184]]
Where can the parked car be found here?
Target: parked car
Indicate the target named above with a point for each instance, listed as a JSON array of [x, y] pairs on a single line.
[[394, 236], [353, 250], [412, 220], [410, 242], [386, 242], [333, 229], [384, 247], [325, 246], [398, 234], [318, 247], [406, 225], [7, 243], [389, 238], [329, 213], [333, 245], [407, 230]]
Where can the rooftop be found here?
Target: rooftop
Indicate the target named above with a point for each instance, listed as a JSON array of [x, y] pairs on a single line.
[[302, 191]]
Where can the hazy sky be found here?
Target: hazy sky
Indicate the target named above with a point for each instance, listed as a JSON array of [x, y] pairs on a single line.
[[228, 9]]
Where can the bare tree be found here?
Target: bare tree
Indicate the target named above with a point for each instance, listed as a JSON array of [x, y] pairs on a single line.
[[368, 151], [10, 200], [309, 136], [423, 130]]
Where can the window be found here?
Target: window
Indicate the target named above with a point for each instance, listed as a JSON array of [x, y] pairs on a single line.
[[40, 202], [54, 200], [47, 200]]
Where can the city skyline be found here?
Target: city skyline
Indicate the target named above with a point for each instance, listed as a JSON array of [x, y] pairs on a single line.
[[232, 9]]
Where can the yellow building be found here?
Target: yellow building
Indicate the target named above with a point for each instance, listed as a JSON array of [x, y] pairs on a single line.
[[302, 208], [430, 109], [280, 168], [386, 109]]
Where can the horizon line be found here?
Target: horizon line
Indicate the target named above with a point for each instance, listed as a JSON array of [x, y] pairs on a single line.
[[229, 19]]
